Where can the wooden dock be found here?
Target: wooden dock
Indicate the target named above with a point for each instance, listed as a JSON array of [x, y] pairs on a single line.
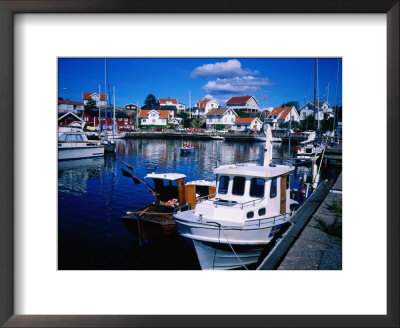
[[299, 220]]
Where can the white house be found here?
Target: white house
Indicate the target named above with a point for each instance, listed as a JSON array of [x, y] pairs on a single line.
[[247, 103], [247, 123], [225, 116], [153, 117], [280, 115], [65, 106], [168, 102], [323, 110], [204, 106], [100, 99], [181, 107]]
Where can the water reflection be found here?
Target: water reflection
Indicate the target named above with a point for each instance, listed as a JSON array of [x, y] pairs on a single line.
[[73, 174]]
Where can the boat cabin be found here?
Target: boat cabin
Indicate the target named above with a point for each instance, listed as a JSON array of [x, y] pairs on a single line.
[[171, 189], [258, 191]]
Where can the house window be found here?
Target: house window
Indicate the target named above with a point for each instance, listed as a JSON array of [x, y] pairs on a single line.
[[144, 120], [223, 184], [238, 186], [257, 187], [225, 119], [272, 193], [154, 121]]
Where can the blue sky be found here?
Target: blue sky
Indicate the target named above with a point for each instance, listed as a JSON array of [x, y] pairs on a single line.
[[272, 81]]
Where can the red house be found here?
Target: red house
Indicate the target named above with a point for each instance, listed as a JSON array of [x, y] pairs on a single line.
[[91, 117]]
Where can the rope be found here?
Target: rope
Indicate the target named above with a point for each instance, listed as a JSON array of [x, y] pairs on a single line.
[[233, 249]]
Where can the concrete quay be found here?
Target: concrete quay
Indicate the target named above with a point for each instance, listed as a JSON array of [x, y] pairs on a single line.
[[316, 248]]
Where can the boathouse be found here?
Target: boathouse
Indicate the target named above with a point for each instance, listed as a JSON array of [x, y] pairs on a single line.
[[280, 115], [154, 117], [247, 123]]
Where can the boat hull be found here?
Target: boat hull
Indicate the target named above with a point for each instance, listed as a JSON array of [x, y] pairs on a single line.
[[213, 256], [67, 153], [213, 244]]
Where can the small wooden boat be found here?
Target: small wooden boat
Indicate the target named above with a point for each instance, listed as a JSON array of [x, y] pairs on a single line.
[[155, 220], [187, 149]]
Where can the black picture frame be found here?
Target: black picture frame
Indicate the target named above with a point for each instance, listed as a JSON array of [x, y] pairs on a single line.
[[10, 7]]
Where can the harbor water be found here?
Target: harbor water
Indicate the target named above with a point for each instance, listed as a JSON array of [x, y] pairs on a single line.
[[93, 195]]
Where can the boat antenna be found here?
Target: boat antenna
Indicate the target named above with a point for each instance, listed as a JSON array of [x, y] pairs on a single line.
[[336, 101], [268, 146]]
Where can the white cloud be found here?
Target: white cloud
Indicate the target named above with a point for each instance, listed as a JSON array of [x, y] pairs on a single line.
[[230, 68], [244, 85], [208, 97]]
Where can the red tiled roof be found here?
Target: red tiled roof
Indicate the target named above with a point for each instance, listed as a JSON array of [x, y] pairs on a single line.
[[217, 111], [238, 100], [87, 96], [203, 103], [164, 100], [244, 120], [145, 112], [281, 112], [69, 102]]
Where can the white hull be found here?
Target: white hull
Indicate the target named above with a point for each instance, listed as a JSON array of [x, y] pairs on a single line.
[[213, 244], [221, 257], [66, 153]]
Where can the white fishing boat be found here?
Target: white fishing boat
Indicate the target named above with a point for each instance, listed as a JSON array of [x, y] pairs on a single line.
[[277, 140], [309, 151], [217, 137], [74, 144], [251, 204]]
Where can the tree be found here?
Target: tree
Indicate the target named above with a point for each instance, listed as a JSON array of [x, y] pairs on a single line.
[[151, 102], [295, 126], [91, 104], [291, 104]]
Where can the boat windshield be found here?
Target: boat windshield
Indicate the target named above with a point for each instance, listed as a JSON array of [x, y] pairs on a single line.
[[257, 187], [70, 138], [223, 184]]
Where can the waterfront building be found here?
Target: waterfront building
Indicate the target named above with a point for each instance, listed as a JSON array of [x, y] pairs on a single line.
[[247, 104], [67, 118], [154, 117], [280, 115], [202, 107], [225, 116], [65, 106], [247, 123], [91, 118], [320, 110], [100, 99], [131, 107]]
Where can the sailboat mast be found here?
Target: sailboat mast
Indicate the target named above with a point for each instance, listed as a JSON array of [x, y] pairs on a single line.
[[336, 109], [99, 106], [105, 89], [317, 94], [114, 110]]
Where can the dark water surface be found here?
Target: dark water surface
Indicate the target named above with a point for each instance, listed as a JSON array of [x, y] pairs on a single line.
[[93, 196]]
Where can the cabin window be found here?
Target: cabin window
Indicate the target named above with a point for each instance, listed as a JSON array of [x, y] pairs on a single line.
[[238, 186], [272, 193], [261, 211], [63, 138], [250, 215], [223, 184], [257, 187], [287, 182]]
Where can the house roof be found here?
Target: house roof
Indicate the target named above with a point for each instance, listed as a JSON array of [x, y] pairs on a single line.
[[145, 112], [69, 102], [203, 103], [164, 100], [245, 120], [280, 112], [239, 100], [87, 96], [61, 116], [316, 104], [217, 111]]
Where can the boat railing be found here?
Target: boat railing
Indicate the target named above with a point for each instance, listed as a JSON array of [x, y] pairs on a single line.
[[270, 219], [189, 205]]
